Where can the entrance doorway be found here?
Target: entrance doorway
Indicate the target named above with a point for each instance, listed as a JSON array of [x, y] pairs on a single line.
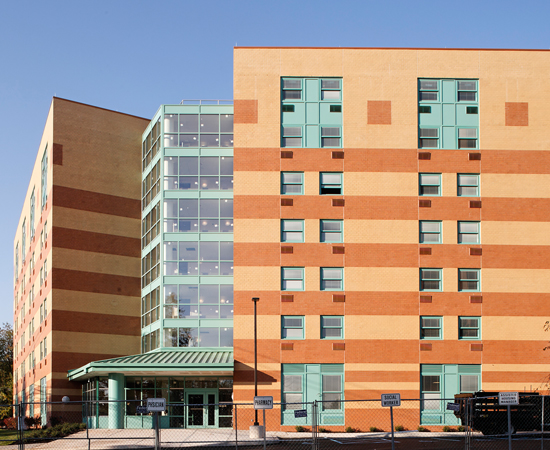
[[202, 408]]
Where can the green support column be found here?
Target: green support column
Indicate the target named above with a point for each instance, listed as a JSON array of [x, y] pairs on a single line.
[[116, 408]]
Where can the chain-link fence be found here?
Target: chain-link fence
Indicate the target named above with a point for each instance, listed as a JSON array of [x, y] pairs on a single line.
[[464, 423]]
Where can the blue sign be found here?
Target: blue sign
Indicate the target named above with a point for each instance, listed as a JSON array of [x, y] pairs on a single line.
[[300, 413], [453, 407]]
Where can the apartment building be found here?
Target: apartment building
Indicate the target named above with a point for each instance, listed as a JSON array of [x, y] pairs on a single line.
[[392, 214], [390, 210], [76, 251]]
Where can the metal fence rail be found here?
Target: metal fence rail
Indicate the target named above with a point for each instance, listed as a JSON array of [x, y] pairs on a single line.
[[342, 424]]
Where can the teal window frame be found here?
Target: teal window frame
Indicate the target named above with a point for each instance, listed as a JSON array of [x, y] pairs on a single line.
[[292, 230], [285, 183], [292, 390], [424, 279], [466, 282], [429, 231], [329, 232], [31, 213], [462, 89], [431, 328], [44, 179], [464, 187], [325, 88], [467, 325], [287, 326], [327, 135], [425, 184], [430, 138], [465, 137], [328, 185], [288, 277], [331, 327], [331, 277], [424, 87], [292, 89], [286, 134], [465, 233]]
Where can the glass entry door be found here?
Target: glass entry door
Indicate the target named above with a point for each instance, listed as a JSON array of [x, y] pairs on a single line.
[[202, 408]]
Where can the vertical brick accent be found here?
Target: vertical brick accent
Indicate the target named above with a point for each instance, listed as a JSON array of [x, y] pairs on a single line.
[[338, 250], [338, 202], [287, 202], [339, 346], [425, 299], [379, 112], [425, 347], [425, 203], [476, 347], [475, 252], [337, 155], [287, 155], [287, 298], [287, 249], [425, 250], [245, 111], [517, 114], [338, 298], [476, 299], [424, 155], [287, 346], [57, 154]]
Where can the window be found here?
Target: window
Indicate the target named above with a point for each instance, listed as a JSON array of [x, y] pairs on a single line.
[[431, 327], [468, 233], [198, 130], [292, 278], [429, 184], [198, 258], [430, 280], [469, 328], [430, 232], [331, 183], [31, 214], [292, 327], [428, 138], [468, 185], [23, 241], [292, 183], [44, 178], [332, 278], [332, 327], [311, 112], [292, 137], [303, 383], [469, 280], [448, 114], [16, 265], [330, 136], [292, 230], [467, 138], [194, 173], [332, 230], [204, 215]]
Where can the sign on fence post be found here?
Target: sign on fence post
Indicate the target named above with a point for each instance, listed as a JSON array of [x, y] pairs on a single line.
[[391, 400], [509, 398], [156, 405], [263, 402]]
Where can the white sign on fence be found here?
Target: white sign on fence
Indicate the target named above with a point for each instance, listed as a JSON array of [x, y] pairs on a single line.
[[391, 399], [156, 404], [263, 402], [508, 398]]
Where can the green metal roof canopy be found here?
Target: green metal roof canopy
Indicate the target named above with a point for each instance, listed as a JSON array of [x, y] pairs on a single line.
[[173, 363]]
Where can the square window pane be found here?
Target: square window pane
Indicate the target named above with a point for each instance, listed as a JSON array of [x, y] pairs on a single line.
[[189, 123]]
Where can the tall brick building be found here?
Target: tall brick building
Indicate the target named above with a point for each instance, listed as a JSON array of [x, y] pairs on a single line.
[[392, 213], [76, 251], [389, 207]]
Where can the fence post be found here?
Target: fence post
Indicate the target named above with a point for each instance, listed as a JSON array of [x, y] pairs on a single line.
[[542, 426], [236, 425], [87, 423], [156, 429], [21, 420], [314, 425]]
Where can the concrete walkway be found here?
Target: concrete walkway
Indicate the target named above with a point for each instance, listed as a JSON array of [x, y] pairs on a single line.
[[107, 439]]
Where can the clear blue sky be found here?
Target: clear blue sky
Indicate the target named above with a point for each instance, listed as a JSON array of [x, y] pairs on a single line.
[[132, 56]]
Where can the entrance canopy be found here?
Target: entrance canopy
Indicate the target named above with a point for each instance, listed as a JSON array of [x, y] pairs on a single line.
[[164, 363]]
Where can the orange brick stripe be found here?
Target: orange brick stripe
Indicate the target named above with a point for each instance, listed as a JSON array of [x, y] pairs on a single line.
[[101, 283], [96, 202], [87, 322], [95, 242]]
